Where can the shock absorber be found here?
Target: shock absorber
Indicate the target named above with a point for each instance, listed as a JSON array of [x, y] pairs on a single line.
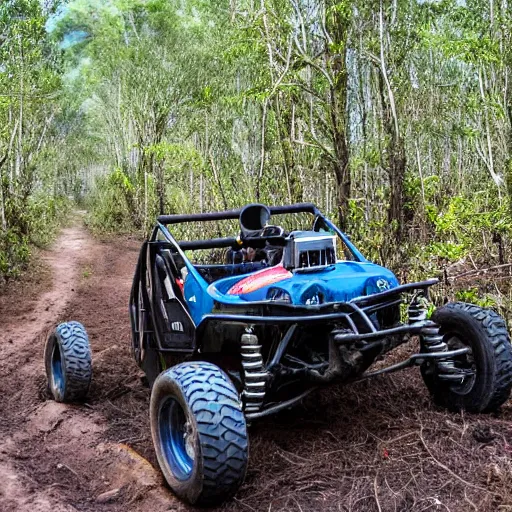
[[430, 338], [255, 376], [418, 309]]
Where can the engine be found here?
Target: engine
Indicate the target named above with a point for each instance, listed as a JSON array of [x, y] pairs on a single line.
[[306, 249], [302, 249]]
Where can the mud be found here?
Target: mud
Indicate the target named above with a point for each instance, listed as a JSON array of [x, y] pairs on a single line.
[[376, 446]]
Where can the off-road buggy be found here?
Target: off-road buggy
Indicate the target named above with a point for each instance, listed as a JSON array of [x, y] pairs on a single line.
[[286, 311]]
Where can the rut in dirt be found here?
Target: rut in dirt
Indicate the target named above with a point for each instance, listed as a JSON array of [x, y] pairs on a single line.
[[20, 339], [58, 457], [63, 261]]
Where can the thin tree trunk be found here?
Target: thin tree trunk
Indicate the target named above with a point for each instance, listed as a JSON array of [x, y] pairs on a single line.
[[395, 146], [19, 152], [161, 188], [262, 149], [490, 157], [146, 213], [337, 26], [420, 172], [284, 126], [219, 183], [2, 200]]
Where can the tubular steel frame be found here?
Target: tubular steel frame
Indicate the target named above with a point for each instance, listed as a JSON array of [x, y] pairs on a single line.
[[353, 312]]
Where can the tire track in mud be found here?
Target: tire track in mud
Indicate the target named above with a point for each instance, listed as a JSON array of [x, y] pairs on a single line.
[[60, 457], [21, 339], [64, 258]]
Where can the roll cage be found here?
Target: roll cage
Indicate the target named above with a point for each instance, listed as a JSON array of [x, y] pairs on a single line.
[[355, 313], [234, 242]]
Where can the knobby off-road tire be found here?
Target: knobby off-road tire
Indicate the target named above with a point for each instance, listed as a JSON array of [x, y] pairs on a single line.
[[485, 332], [68, 362], [199, 432]]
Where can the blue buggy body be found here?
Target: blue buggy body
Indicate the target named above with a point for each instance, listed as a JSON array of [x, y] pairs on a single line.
[[340, 282]]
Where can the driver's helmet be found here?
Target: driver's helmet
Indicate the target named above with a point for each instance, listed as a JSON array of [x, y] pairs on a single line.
[[273, 253]]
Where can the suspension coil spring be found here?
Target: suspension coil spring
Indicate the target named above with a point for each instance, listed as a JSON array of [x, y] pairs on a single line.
[[417, 311], [431, 339], [255, 376]]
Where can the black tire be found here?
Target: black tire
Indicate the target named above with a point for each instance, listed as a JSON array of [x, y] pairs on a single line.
[[199, 432], [68, 362], [140, 320], [485, 332]]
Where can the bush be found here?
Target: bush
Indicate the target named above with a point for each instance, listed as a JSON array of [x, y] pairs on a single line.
[[34, 224]]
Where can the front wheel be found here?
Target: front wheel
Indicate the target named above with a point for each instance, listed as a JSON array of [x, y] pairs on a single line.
[[199, 432], [487, 366]]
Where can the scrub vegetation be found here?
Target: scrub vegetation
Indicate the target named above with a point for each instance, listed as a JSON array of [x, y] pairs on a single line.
[[393, 116]]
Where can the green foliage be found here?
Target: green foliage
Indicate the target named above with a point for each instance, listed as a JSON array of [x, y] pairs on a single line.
[[14, 253], [37, 226], [473, 296], [133, 107], [114, 206], [176, 158], [45, 214], [33, 189], [447, 250]]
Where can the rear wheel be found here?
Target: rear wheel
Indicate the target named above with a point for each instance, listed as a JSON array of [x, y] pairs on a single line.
[[486, 369], [68, 362], [140, 321], [199, 432]]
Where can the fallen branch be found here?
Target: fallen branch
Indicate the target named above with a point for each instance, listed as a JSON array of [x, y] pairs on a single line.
[[60, 465], [376, 494], [479, 271]]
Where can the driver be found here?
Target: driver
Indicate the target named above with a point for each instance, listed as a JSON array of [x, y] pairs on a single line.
[[273, 253], [245, 255]]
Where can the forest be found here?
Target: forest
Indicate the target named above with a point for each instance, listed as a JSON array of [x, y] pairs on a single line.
[[394, 117]]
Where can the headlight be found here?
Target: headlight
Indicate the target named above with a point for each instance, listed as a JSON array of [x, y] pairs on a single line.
[[278, 295], [378, 284]]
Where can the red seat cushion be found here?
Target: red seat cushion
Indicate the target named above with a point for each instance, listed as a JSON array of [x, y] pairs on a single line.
[[259, 280]]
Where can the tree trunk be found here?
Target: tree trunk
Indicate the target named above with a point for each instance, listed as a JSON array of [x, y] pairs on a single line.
[[343, 183], [3, 220], [508, 108], [161, 188], [395, 165], [337, 24], [396, 183], [284, 126]]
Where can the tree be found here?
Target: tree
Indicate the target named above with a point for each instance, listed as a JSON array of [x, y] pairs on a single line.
[[29, 83]]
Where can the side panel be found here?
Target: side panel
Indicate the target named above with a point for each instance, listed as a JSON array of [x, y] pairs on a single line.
[[196, 297], [173, 326], [198, 300]]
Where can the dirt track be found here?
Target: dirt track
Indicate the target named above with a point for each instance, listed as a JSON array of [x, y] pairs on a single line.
[[378, 446]]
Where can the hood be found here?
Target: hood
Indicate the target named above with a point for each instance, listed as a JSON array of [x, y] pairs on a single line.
[[311, 286]]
